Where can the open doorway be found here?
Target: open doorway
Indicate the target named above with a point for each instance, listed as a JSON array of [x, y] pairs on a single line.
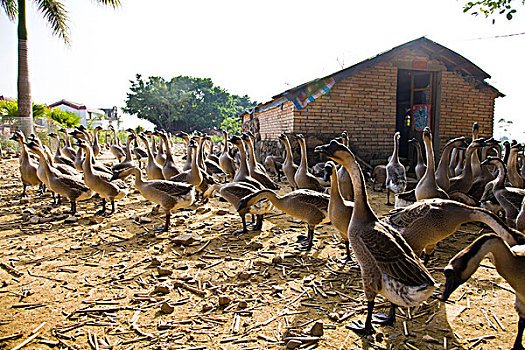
[[414, 108]]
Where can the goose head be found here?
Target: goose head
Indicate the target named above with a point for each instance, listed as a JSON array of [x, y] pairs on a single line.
[[329, 168], [336, 151], [235, 140]]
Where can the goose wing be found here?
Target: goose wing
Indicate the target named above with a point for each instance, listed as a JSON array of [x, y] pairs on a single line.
[[172, 188], [394, 256], [406, 216], [396, 173], [316, 199]]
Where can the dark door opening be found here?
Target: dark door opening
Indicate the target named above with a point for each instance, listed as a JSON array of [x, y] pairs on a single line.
[[414, 109]]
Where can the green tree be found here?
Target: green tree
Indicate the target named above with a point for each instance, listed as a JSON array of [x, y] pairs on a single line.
[[56, 15], [182, 103], [492, 7], [64, 118], [9, 111]]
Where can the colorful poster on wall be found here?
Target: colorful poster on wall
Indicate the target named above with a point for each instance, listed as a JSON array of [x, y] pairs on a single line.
[[420, 117]]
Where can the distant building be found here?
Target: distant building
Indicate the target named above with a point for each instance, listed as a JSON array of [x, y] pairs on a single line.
[[92, 117]]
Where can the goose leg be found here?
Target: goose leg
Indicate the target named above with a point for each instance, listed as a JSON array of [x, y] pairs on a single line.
[[386, 320], [73, 210], [244, 227], [388, 196], [517, 343], [358, 326], [112, 209], [310, 240], [167, 224], [103, 209], [42, 189], [258, 225], [348, 257], [23, 191]]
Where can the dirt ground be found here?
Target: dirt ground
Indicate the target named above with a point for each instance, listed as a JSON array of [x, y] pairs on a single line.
[[88, 284]]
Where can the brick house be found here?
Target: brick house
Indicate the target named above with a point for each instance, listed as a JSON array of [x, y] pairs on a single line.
[[417, 84]]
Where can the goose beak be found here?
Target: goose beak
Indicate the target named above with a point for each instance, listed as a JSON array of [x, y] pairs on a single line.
[[114, 176], [451, 283], [13, 137]]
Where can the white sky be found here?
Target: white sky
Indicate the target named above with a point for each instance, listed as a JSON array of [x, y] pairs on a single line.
[[259, 48]]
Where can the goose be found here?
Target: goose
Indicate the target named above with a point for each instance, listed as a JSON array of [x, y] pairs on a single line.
[[168, 194], [509, 262], [242, 174], [96, 145], [474, 160], [253, 162], [59, 157], [306, 205], [396, 179], [453, 160], [193, 175], [64, 185], [211, 154], [378, 176], [339, 209], [67, 150], [28, 168], [153, 169], [460, 164], [425, 223], [254, 171], [509, 200], [486, 176], [186, 138], [169, 169], [427, 186], [115, 148], [345, 182], [388, 265], [140, 153], [128, 161], [209, 166], [420, 166], [97, 166], [160, 155], [289, 168], [234, 192], [100, 182], [274, 164], [514, 176], [225, 160], [303, 178], [463, 182]]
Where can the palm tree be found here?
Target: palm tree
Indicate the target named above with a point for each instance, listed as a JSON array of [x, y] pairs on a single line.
[[56, 15]]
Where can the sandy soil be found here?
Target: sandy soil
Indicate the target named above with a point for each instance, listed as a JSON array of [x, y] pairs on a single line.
[[96, 285]]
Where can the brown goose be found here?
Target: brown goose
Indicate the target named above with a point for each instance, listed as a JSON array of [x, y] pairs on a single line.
[[425, 223], [396, 178], [421, 167], [339, 209], [225, 160], [189, 155], [67, 150], [96, 145], [168, 194], [242, 174], [128, 161], [345, 182], [234, 192], [303, 178], [463, 182], [59, 157], [514, 176], [115, 147], [509, 262], [306, 205], [388, 265], [169, 169], [289, 168], [258, 175], [509, 200], [427, 187], [28, 168], [153, 169], [64, 185], [474, 160], [100, 183], [378, 176]]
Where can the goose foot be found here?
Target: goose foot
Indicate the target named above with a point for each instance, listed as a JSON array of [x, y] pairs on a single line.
[[160, 229], [305, 247], [359, 328], [383, 319], [388, 203], [239, 231], [345, 260], [302, 238]]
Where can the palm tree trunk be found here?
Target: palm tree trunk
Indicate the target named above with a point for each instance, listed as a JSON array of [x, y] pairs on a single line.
[[25, 112]]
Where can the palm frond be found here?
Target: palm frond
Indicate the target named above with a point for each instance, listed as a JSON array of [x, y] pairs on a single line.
[[56, 15], [10, 7], [112, 3]]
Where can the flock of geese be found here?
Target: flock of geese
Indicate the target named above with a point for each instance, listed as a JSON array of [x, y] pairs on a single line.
[[472, 182]]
